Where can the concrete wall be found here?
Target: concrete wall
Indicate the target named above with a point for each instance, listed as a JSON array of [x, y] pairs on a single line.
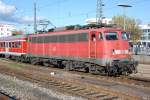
[[143, 59]]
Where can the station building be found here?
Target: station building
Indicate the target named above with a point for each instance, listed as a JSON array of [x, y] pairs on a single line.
[[145, 37], [6, 29], [104, 20]]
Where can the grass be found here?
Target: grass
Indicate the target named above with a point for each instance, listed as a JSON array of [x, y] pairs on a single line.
[[10, 64]]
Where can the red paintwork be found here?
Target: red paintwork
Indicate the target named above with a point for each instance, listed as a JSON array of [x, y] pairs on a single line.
[[22, 49], [102, 49], [88, 49]]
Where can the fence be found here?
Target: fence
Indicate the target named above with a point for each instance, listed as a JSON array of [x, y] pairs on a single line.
[[140, 51]]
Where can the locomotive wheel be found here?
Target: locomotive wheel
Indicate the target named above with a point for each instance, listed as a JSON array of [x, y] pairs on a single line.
[[93, 70], [86, 70], [113, 71], [46, 64], [34, 61]]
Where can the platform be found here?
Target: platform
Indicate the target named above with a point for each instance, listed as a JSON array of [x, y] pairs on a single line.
[[143, 72]]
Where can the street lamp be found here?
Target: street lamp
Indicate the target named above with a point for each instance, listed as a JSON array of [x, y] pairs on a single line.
[[124, 6], [35, 20]]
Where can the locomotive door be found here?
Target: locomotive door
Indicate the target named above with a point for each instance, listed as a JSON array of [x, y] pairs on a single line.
[[92, 45]]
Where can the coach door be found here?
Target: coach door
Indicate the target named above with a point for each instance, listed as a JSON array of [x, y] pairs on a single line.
[[92, 45]]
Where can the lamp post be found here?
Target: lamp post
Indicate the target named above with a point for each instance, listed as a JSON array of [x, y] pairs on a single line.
[[124, 6], [35, 19]]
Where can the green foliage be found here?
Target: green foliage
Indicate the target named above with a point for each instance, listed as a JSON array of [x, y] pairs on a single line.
[[131, 26], [14, 33]]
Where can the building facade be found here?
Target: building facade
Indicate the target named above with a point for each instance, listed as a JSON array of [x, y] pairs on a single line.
[[6, 30], [145, 37], [143, 45], [104, 20]]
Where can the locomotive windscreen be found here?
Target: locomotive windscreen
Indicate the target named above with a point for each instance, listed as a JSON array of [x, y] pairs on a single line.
[[111, 36]]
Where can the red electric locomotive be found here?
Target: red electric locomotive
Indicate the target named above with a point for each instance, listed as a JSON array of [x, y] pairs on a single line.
[[101, 50], [95, 50]]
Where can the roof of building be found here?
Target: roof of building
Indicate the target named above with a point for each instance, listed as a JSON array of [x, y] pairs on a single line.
[[147, 26]]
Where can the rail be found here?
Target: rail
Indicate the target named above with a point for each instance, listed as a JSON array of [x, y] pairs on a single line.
[[6, 96]]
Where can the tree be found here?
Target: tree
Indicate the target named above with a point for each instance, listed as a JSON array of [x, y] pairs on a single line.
[[15, 32], [131, 26]]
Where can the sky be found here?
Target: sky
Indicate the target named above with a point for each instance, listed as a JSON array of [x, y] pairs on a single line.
[[67, 12]]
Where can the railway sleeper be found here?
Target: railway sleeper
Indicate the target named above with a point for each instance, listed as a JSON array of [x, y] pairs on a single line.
[[111, 98], [108, 98], [62, 86], [91, 93], [78, 89], [73, 87], [98, 95]]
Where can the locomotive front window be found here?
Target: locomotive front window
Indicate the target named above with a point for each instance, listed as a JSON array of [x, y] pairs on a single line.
[[111, 36], [124, 36]]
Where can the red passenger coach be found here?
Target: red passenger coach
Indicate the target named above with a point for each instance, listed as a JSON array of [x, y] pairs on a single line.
[[13, 46]]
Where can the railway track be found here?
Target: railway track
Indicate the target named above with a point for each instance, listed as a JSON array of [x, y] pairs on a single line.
[[85, 90], [6, 96], [88, 92]]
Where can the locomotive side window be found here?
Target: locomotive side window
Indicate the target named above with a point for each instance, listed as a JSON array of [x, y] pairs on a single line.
[[61, 38], [100, 37], [111, 36], [124, 36]]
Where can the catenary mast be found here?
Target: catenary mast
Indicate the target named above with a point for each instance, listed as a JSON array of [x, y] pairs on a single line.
[[99, 12]]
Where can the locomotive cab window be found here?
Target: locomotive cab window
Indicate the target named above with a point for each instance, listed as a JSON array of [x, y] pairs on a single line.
[[124, 36], [111, 36]]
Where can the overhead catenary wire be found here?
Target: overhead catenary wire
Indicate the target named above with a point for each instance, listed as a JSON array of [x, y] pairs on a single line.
[[88, 13]]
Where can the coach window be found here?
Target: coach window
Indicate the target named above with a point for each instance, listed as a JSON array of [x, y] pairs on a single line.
[[18, 44], [111, 36], [100, 37], [6, 44], [0, 44], [3, 44], [13, 44], [9, 44]]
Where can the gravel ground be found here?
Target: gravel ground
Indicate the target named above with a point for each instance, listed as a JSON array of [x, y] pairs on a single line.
[[31, 91], [143, 72]]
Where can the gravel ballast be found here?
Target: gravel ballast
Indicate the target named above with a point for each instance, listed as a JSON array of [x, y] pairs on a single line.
[[31, 91]]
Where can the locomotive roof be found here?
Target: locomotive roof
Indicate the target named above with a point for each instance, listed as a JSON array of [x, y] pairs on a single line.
[[77, 31], [13, 37]]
